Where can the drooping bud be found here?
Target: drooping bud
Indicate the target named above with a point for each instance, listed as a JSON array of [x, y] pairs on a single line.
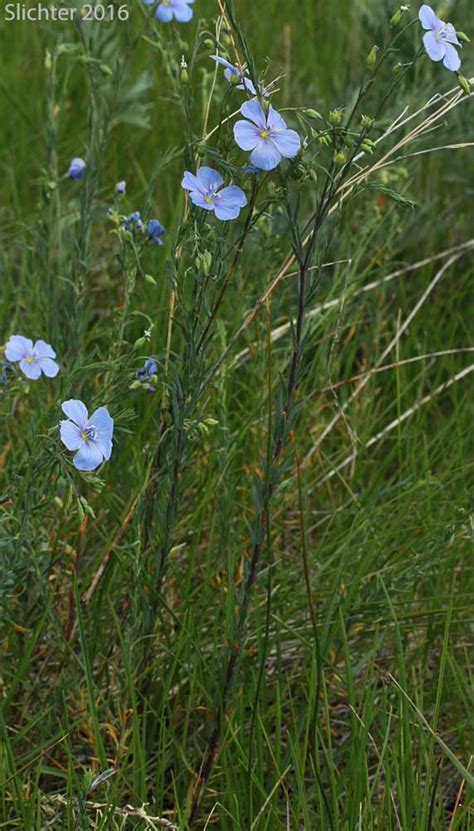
[[464, 84], [367, 122], [372, 57], [395, 19], [312, 113], [150, 279]]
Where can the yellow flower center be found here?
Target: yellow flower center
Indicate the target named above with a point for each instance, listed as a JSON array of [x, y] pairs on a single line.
[[84, 435], [265, 134], [166, 3], [29, 360], [209, 199]]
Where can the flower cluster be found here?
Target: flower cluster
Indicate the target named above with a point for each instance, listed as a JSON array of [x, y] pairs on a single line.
[[263, 133], [91, 437]]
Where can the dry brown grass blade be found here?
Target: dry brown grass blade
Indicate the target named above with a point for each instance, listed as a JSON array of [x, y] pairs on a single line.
[[393, 343]]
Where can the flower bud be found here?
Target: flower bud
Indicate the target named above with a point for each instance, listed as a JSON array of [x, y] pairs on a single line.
[[464, 84], [335, 117], [367, 122], [463, 37], [395, 19], [149, 279], [48, 61], [367, 148], [203, 262], [372, 57], [106, 70], [209, 44], [340, 157], [312, 113], [140, 343]]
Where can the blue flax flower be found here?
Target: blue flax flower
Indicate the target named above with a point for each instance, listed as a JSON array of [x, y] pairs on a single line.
[[233, 75], [155, 232], [167, 9], [205, 193], [33, 359], [439, 39], [92, 437], [77, 168], [121, 187], [146, 372], [266, 135], [133, 222]]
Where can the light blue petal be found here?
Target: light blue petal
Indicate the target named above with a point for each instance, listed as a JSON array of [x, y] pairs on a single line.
[[275, 120], [246, 135], [44, 350], [451, 35], [428, 19], [164, 13], [17, 347], [182, 12], [436, 49], [105, 447], [191, 182], [49, 367], [89, 457], [70, 435], [452, 60], [229, 202], [288, 143], [32, 371], [249, 85], [265, 155], [76, 411], [103, 423], [209, 178], [253, 110], [222, 62]]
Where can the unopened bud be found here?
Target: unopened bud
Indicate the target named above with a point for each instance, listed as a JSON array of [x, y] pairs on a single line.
[[48, 61], [464, 84], [367, 122], [312, 113], [203, 262], [340, 157], [150, 279], [372, 57], [140, 343], [463, 37], [209, 44], [395, 19], [367, 148], [335, 117], [106, 70]]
